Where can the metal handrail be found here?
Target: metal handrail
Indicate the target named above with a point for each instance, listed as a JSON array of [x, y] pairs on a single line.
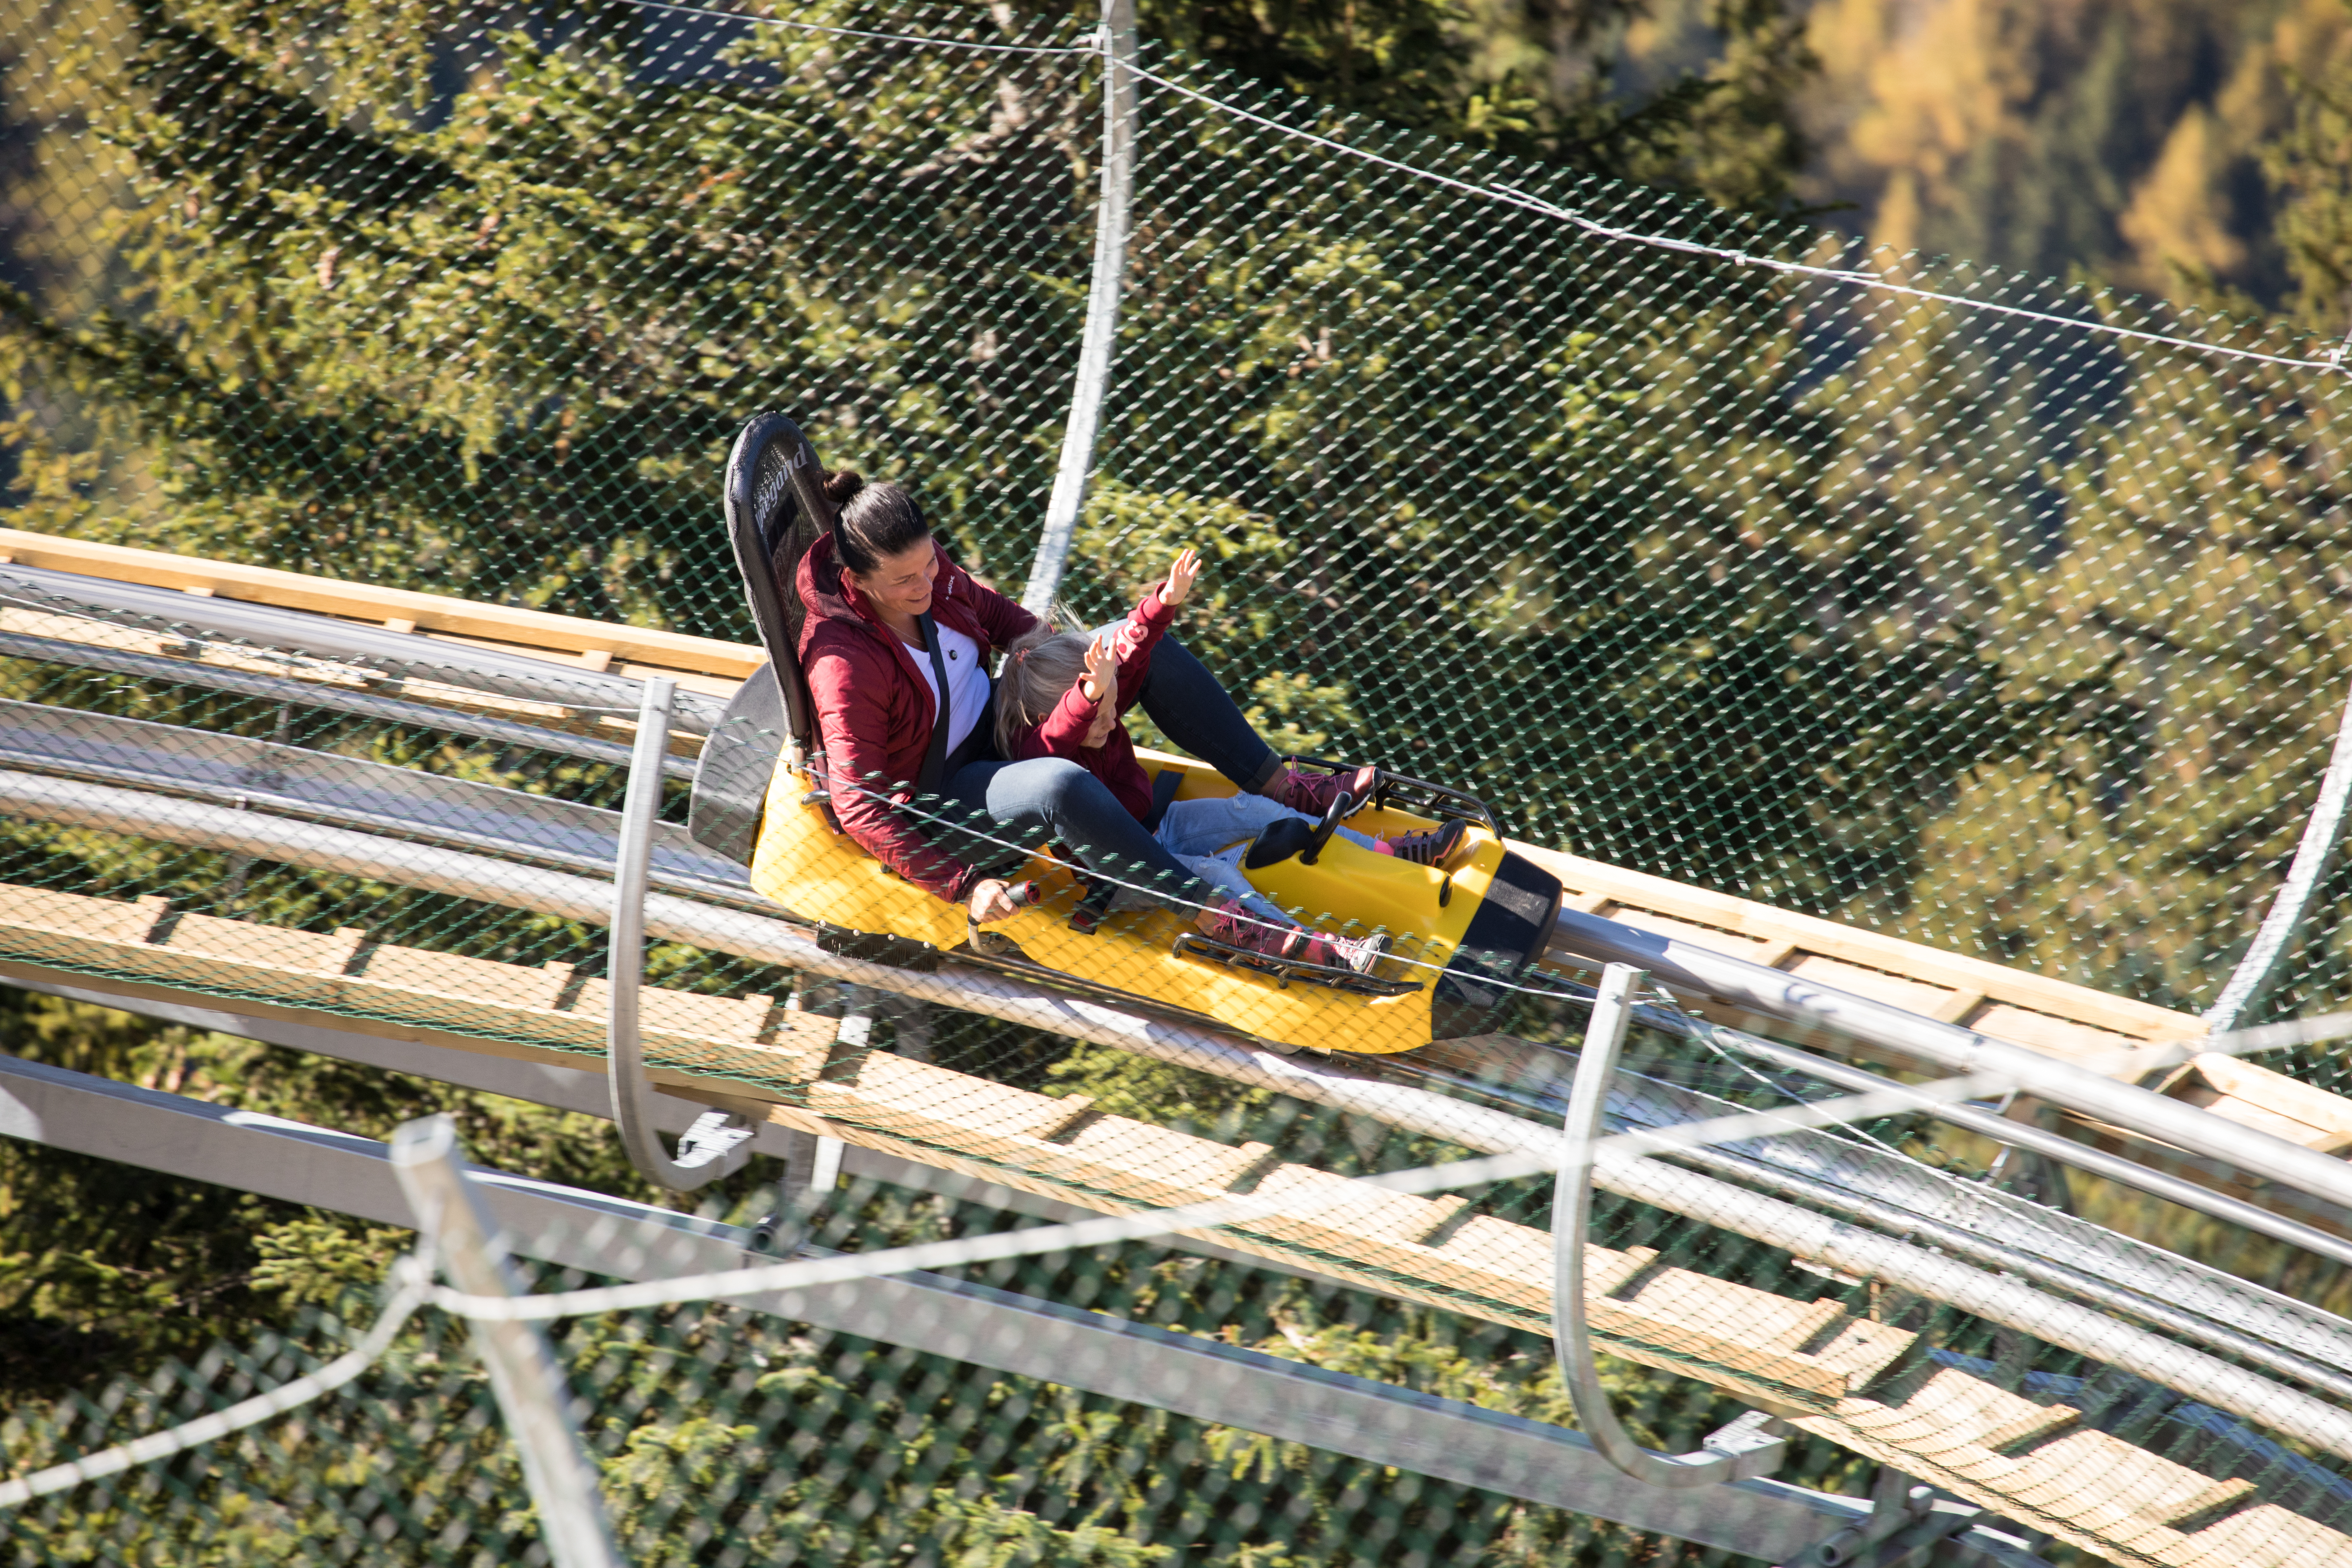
[[719, 1142], [1745, 1449]]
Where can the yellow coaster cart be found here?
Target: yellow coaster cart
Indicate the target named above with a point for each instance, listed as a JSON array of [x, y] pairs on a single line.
[[762, 797]]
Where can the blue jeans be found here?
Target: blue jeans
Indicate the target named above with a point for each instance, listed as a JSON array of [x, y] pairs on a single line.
[[1209, 838], [1011, 807]]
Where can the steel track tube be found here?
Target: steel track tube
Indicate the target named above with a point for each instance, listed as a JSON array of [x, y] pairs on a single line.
[[1897, 1221], [2051, 1145], [1687, 967], [235, 622], [331, 699]]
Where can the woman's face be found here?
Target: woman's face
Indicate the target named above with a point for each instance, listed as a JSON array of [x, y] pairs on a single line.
[[899, 587]]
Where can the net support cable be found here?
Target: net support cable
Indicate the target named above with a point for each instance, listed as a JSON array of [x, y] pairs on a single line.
[[2183, 1301], [1100, 341], [1848, 277], [2259, 969]]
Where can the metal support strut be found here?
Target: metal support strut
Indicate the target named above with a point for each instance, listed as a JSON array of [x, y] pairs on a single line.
[[1751, 1446], [1906, 1522], [1100, 341], [524, 1375], [719, 1142], [2259, 969]]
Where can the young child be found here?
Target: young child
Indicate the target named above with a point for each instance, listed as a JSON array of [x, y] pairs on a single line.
[[1063, 695]]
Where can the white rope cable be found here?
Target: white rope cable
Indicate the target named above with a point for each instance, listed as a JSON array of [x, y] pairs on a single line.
[[219, 1423], [2129, 1065], [1237, 913], [1507, 197], [917, 38]]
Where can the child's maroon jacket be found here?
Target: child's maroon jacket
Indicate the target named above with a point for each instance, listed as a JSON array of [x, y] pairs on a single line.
[[1063, 732]]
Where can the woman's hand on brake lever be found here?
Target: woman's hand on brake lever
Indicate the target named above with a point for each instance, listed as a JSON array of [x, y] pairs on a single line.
[[991, 901]]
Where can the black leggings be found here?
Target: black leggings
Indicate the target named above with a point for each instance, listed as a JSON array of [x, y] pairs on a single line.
[[1005, 804]]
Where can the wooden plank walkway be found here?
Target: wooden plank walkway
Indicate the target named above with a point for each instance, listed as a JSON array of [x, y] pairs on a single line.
[[1843, 1375]]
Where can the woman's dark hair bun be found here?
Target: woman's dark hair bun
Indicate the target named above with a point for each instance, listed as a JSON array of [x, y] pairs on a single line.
[[877, 522]]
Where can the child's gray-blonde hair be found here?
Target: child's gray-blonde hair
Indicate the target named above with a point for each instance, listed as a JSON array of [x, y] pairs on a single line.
[[1039, 667]]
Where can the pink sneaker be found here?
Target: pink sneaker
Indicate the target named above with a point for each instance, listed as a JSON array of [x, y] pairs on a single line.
[[1436, 847], [1313, 793], [1236, 927]]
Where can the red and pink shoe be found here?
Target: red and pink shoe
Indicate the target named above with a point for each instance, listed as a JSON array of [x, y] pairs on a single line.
[[1236, 927], [1313, 793], [1436, 847]]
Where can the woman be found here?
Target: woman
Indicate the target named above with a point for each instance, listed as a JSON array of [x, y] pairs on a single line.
[[876, 681]]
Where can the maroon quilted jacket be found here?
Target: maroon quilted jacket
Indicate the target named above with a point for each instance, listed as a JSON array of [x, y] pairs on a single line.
[[874, 710]]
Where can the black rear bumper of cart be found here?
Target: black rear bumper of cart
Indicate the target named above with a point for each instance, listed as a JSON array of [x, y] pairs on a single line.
[[1513, 923]]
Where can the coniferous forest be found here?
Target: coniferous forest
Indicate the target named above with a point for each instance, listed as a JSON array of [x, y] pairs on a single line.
[[429, 296]]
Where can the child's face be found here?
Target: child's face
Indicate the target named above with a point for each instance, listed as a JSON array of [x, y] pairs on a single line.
[[1106, 709]]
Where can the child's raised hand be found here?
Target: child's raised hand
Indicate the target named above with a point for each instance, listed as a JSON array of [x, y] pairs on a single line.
[[1187, 566], [1102, 666]]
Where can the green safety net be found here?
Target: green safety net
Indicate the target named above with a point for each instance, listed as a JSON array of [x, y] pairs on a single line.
[[2006, 624], [1989, 612]]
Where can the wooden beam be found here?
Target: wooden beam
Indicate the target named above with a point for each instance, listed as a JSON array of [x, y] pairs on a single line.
[[429, 615], [1731, 916]]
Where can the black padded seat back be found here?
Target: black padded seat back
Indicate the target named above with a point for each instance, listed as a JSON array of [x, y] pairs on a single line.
[[776, 507]]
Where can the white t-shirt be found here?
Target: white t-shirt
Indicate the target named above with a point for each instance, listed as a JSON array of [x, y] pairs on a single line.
[[967, 682]]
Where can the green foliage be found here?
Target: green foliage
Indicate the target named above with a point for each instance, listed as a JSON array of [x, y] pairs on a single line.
[[2307, 163], [1537, 79], [111, 1268]]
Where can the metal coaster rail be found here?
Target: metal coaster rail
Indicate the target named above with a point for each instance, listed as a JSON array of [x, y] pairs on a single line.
[[1836, 1245]]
